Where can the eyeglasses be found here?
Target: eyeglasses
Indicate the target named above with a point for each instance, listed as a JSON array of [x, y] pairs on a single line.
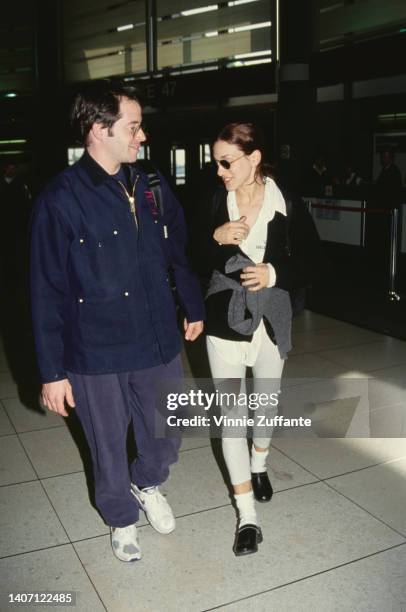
[[224, 163], [134, 129]]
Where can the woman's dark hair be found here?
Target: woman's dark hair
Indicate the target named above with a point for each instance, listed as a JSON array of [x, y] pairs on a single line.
[[98, 104], [247, 137]]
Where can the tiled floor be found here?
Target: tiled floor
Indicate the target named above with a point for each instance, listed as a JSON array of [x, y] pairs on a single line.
[[334, 533]]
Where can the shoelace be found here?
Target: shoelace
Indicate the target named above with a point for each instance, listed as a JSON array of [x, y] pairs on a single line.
[[155, 495], [149, 490]]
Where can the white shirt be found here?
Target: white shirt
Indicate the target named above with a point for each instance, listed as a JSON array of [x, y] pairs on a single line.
[[234, 351]]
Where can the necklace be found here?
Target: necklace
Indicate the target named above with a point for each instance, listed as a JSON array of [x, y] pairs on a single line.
[[131, 198]]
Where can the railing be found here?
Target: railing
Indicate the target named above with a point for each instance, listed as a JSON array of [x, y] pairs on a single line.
[[363, 210]]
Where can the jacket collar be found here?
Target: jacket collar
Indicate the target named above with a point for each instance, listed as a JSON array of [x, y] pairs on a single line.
[[98, 175]]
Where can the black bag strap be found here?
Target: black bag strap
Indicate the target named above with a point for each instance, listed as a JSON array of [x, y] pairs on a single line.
[[154, 183]]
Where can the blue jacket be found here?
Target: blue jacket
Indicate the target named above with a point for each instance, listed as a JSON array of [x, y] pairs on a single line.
[[101, 296]]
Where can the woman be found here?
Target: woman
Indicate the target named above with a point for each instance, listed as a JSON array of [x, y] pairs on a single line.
[[251, 249]]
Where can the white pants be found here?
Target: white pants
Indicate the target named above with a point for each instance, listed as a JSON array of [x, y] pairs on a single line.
[[267, 372]]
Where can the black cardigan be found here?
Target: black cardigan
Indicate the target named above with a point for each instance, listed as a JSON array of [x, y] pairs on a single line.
[[293, 247]]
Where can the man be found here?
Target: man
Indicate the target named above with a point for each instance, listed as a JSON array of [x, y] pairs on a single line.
[[388, 185], [103, 310], [319, 177]]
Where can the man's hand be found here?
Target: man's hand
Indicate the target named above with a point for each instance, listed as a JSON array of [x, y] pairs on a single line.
[[54, 395], [192, 330], [232, 232], [255, 277]]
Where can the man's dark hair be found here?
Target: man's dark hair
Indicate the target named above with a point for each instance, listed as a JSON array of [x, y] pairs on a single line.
[[98, 104]]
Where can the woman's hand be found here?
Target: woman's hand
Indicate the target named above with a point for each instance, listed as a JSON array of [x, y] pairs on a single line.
[[255, 277], [232, 232]]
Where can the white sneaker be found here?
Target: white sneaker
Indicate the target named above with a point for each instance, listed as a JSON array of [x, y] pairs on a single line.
[[124, 543], [155, 506]]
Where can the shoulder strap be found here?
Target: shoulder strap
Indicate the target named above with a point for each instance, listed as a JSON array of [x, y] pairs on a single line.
[[154, 182]]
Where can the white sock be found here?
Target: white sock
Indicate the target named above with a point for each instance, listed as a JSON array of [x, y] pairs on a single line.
[[246, 508], [258, 460], [237, 458]]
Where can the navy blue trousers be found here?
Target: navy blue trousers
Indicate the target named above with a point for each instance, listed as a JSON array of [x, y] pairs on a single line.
[[106, 404]]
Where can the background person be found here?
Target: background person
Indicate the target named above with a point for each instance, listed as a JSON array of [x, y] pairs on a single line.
[[350, 177], [388, 184], [318, 177]]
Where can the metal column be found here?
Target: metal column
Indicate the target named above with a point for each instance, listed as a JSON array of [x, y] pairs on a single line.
[[151, 34], [393, 296]]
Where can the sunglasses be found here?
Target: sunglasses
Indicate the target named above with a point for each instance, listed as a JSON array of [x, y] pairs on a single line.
[[224, 163]]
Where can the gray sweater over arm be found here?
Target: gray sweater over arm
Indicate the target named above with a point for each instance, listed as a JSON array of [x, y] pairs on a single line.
[[272, 303]]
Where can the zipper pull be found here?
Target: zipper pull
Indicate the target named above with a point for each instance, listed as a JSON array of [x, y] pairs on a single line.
[[131, 200]]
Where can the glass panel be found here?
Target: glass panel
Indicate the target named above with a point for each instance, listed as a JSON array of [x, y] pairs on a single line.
[[104, 39], [144, 152], [178, 165], [74, 153], [195, 32], [205, 154], [360, 18]]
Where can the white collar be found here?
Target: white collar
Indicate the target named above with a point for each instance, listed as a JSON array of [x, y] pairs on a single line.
[[273, 202]]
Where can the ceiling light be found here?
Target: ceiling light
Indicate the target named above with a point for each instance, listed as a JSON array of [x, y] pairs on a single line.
[[128, 26], [253, 26], [252, 54], [238, 2], [15, 141], [197, 11], [259, 61]]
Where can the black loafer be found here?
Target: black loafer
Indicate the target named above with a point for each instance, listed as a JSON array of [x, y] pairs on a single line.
[[247, 539], [261, 486]]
